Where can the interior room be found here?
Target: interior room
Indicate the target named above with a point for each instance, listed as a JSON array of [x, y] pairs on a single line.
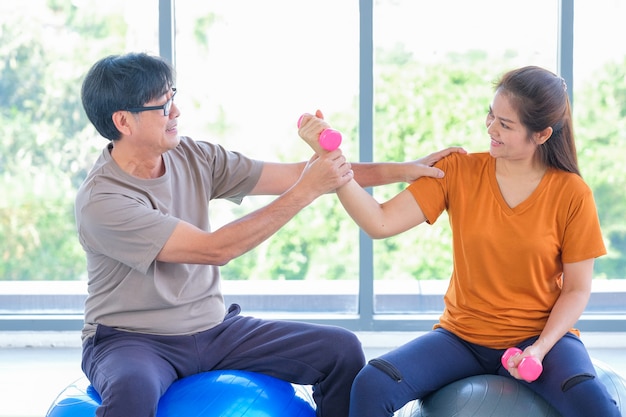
[[399, 79]]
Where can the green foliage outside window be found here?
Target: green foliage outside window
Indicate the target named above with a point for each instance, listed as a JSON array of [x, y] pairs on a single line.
[[48, 146]]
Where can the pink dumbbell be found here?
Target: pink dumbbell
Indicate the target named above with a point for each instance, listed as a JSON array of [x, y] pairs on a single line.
[[329, 139], [529, 368]]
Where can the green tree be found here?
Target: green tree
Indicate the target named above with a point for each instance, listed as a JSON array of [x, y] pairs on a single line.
[[600, 125], [420, 108], [47, 145]]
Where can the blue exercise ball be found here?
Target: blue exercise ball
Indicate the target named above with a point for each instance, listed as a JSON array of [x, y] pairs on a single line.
[[208, 394]]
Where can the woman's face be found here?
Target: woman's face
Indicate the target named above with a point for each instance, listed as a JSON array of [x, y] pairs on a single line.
[[509, 137]]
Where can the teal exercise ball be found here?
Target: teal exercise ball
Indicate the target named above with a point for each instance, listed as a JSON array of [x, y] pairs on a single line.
[[615, 384], [494, 395], [208, 394], [480, 395]]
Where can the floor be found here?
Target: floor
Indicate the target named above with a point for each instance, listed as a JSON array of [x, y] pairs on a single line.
[[31, 376]]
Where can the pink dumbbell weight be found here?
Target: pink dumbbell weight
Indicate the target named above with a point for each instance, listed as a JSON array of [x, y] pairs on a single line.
[[529, 368], [329, 139]]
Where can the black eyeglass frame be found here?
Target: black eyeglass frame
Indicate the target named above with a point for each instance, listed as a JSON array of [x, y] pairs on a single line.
[[165, 107]]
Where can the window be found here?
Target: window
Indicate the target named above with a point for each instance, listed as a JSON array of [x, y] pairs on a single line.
[[599, 89], [48, 145], [434, 68], [244, 80], [381, 72]]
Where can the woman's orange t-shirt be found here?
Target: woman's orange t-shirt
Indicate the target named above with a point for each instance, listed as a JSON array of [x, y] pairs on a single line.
[[508, 262]]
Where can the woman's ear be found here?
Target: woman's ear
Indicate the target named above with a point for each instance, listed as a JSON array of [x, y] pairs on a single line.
[[542, 136]]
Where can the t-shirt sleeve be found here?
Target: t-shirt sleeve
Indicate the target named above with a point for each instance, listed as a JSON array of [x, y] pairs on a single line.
[[124, 228], [229, 175], [430, 193], [582, 238]]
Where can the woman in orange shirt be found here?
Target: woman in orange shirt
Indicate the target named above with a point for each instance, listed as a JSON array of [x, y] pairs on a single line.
[[525, 236]]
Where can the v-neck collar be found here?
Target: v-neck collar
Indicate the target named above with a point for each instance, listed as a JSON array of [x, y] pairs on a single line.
[[510, 211]]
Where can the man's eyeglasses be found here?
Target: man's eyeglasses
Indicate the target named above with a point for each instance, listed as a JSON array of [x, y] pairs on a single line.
[[165, 107]]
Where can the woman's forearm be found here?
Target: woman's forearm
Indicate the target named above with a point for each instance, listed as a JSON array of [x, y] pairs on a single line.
[[361, 206], [380, 220], [565, 313]]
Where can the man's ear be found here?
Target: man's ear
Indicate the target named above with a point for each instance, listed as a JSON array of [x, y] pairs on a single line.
[[542, 136], [123, 121]]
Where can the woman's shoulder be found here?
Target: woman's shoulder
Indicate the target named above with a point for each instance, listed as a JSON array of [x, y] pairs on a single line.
[[468, 160], [570, 182]]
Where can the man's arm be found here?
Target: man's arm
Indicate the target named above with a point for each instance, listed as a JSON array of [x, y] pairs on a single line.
[[373, 174], [276, 178], [189, 244], [381, 173]]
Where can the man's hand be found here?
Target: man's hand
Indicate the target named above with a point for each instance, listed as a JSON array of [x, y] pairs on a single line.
[[325, 173], [423, 167]]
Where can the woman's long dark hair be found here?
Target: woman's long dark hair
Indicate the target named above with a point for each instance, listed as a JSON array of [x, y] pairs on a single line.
[[540, 98]]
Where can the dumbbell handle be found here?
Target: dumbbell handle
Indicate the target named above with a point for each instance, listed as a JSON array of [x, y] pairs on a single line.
[[328, 140], [529, 368]]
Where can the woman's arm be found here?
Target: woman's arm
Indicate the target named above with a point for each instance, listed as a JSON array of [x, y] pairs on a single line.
[[380, 220], [567, 310], [398, 214], [381, 173]]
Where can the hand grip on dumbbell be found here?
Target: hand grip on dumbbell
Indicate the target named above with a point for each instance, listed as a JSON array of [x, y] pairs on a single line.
[[328, 140], [529, 368]]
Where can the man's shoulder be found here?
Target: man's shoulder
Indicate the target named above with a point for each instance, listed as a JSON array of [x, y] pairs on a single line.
[[189, 148]]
